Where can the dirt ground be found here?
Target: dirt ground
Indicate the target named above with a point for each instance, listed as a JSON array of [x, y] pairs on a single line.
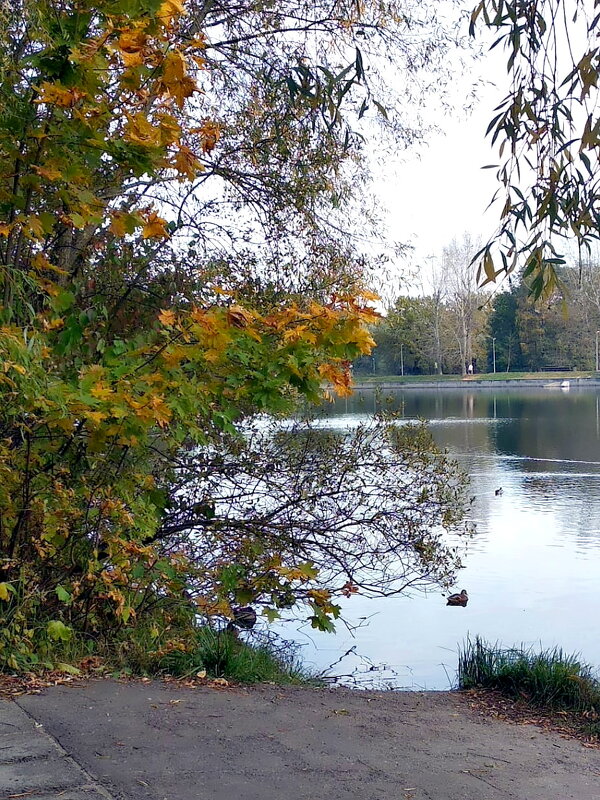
[[149, 741]]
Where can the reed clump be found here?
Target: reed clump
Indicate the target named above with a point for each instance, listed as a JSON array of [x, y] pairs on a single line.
[[550, 679]]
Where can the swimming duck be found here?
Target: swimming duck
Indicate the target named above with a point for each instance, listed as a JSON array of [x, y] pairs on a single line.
[[458, 599], [244, 618], [499, 491]]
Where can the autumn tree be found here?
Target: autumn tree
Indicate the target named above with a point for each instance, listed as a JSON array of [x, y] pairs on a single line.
[[174, 259]]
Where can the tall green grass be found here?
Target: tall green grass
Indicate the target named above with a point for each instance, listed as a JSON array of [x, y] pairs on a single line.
[[222, 655], [548, 678]]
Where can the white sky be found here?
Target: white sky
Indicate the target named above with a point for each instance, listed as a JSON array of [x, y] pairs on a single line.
[[441, 191]]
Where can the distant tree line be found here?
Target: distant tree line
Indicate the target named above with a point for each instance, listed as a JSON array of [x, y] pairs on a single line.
[[457, 325]]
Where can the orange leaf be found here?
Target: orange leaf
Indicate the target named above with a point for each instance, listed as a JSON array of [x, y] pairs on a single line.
[[167, 317], [155, 227], [57, 95], [49, 172], [210, 133], [175, 79], [186, 163]]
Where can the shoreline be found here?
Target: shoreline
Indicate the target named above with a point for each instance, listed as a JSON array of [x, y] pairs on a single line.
[[478, 383]]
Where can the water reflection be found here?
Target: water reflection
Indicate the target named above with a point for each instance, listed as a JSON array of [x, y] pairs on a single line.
[[532, 572]]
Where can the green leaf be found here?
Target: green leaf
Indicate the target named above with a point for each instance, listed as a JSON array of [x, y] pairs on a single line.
[[63, 595], [271, 614], [57, 630], [68, 668], [63, 300]]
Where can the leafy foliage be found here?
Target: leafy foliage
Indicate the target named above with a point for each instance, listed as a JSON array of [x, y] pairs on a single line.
[[146, 147], [547, 129]]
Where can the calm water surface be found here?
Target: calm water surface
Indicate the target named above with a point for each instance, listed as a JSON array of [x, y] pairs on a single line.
[[533, 569]]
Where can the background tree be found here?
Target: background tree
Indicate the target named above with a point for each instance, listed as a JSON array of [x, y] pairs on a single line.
[[504, 330], [462, 295]]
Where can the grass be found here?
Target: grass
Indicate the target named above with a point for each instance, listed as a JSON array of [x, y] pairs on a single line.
[[185, 651], [220, 654], [549, 679]]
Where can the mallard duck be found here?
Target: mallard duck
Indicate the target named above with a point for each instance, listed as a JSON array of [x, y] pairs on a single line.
[[458, 599], [244, 618]]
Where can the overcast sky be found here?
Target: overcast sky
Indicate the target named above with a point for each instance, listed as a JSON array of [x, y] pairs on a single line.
[[441, 190]]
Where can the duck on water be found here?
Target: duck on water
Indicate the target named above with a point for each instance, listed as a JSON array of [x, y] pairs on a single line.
[[459, 599]]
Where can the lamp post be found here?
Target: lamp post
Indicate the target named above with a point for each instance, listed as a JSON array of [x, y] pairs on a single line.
[[494, 352], [401, 358], [597, 367]]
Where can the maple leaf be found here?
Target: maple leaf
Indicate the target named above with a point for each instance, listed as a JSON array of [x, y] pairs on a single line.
[[210, 133], [57, 95], [239, 317], [170, 10], [175, 79], [167, 317], [132, 44], [140, 130], [155, 227], [186, 163], [50, 172], [95, 417], [338, 377], [122, 223], [101, 391]]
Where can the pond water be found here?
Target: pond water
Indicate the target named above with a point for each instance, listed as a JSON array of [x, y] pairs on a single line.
[[533, 569]]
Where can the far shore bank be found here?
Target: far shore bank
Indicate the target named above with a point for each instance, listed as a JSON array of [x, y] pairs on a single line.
[[543, 380]]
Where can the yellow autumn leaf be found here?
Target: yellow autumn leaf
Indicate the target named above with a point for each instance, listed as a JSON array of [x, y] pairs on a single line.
[[155, 227], [131, 45], [140, 130], [162, 412], [49, 172], [363, 339], [5, 591], [41, 264], [338, 377], [5, 229], [53, 324], [95, 417], [175, 79], [170, 129], [170, 10], [101, 391], [167, 317], [57, 95]]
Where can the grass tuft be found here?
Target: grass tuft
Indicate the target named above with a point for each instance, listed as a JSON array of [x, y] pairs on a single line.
[[549, 678], [222, 655]]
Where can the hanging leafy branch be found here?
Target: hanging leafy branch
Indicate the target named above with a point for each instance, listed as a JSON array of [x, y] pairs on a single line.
[[547, 130]]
